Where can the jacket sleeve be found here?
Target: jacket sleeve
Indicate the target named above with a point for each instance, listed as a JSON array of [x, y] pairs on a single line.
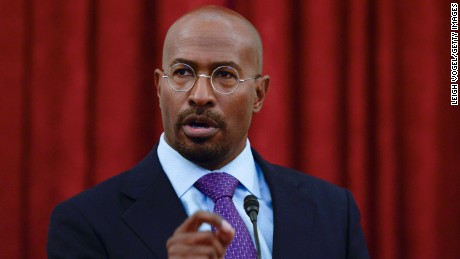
[[71, 235], [356, 243]]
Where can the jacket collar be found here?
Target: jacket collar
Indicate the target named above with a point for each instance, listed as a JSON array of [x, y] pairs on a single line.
[[156, 211], [293, 211]]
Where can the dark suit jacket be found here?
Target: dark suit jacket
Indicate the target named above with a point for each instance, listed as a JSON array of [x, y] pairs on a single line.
[[133, 214]]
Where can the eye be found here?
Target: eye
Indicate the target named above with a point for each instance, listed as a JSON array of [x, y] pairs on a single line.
[[226, 73], [182, 72]]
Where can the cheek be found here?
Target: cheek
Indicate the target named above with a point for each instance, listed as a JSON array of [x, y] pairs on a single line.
[[239, 114], [169, 110]]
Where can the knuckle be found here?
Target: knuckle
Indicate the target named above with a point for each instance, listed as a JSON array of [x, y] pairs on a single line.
[[170, 241], [210, 252], [200, 214], [173, 250]]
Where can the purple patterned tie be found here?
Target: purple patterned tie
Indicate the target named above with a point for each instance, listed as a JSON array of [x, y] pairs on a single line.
[[220, 188]]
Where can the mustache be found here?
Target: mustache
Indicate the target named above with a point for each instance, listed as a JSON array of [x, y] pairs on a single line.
[[199, 111]]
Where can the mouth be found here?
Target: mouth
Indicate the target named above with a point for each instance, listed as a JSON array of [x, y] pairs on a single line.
[[196, 126]]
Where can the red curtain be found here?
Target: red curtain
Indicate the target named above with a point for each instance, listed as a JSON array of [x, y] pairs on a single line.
[[359, 96]]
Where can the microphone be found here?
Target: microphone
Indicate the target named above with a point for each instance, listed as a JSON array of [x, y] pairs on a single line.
[[251, 206]]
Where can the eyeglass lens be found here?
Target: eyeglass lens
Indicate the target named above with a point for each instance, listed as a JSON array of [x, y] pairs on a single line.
[[182, 77]]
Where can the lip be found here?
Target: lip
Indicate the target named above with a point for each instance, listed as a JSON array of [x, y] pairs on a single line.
[[196, 126]]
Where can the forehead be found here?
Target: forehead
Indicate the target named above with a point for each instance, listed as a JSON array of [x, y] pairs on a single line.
[[210, 41]]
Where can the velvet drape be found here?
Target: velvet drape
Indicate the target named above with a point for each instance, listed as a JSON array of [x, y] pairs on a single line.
[[359, 96]]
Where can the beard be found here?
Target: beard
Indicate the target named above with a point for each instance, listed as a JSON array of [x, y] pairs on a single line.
[[200, 150], [202, 153]]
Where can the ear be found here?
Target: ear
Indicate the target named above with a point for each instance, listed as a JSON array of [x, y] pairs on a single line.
[[261, 91], [158, 76]]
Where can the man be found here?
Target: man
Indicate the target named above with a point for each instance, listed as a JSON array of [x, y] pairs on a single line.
[[209, 87]]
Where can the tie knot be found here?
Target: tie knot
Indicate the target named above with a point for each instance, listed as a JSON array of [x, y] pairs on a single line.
[[217, 185]]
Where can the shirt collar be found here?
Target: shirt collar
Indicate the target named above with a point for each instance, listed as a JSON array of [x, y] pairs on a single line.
[[182, 173]]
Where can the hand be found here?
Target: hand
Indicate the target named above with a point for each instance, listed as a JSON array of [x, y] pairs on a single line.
[[188, 242]]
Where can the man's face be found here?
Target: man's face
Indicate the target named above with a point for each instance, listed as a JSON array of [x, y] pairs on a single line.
[[204, 126]]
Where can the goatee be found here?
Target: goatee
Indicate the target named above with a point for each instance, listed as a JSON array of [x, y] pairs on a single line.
[[200, 151]]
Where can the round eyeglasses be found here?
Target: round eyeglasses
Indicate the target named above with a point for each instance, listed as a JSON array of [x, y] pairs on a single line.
[[224, 79]]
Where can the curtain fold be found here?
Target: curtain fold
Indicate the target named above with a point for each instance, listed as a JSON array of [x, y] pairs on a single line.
[[359, 96]]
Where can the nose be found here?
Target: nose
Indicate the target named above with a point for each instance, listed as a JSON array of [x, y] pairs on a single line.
[[202, 93]]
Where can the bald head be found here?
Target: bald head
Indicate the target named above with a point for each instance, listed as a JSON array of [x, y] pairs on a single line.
[[217, 24]]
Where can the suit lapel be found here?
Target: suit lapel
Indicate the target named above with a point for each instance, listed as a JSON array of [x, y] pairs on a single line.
[[293, 212], [157, 211]]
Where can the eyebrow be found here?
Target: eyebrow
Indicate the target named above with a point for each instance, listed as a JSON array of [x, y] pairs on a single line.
[[213, 65]]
